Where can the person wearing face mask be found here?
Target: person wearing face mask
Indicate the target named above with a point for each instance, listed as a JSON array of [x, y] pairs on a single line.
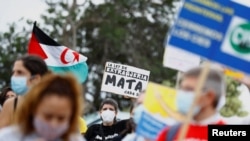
[[110, 129], [49, 112], [205, 111], [138, 108], [135, 114], [27, 71], [136, 111]]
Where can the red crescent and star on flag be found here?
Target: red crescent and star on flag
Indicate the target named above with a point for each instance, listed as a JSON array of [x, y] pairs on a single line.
[[63, 54], [37, 49]]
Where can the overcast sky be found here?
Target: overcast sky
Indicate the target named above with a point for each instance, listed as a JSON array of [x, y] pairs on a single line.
[[13, 10]]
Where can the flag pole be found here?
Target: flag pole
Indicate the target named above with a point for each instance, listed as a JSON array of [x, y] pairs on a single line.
[[179, 73], [198, 89]]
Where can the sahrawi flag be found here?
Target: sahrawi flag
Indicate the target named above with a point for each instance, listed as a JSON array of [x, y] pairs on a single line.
[[59, 59]]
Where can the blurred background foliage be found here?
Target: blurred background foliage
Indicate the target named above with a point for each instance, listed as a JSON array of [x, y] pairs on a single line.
[[233, 105], [130, 32]]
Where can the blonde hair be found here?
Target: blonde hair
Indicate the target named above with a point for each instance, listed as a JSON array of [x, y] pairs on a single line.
[[61, 85]]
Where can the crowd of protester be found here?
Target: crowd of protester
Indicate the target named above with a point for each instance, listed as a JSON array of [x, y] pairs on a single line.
[[40, 105]]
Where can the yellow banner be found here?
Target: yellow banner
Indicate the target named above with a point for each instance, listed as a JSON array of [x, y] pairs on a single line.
[[158, 98], [233, 74]]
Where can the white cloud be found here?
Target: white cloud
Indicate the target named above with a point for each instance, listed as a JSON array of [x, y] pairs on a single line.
[[13, 10]]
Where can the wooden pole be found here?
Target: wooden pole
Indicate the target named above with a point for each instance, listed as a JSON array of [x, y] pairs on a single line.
[[198, 89], [178, 79]]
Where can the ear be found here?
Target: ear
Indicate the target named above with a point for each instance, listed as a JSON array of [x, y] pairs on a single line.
[[210, 97]]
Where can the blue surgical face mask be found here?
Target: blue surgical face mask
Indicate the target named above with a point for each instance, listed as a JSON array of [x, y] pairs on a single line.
[[137, 113], [19, 84], [185, 100]]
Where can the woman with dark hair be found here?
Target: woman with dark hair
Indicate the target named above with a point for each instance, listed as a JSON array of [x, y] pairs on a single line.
[[6, 93], [27, 71], [110, 129]]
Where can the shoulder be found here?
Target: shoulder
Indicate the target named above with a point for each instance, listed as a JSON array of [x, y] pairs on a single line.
[[6, 114], [9, 103], [93, 127], [92, 131], [7, 111], [10, 133], [121, 124], [125, 121]]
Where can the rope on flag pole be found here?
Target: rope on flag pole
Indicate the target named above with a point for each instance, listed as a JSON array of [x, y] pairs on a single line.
[[198, 89]]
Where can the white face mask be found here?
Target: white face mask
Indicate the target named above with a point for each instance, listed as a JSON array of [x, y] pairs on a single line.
[[47, 131], [108, 116]]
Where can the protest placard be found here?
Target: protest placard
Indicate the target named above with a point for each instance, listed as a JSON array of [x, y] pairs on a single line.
[[151, 101], [155, 117], [180, 59], [124, 80], [217, 30]]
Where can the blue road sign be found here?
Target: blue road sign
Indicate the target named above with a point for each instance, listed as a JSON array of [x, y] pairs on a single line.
[[218, 30]]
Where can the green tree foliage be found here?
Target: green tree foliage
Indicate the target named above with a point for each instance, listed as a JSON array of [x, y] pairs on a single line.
[[233, 105], [12, 45], [130, 32]]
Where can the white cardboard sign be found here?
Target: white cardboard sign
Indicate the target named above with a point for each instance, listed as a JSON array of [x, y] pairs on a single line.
[[124, 80]]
